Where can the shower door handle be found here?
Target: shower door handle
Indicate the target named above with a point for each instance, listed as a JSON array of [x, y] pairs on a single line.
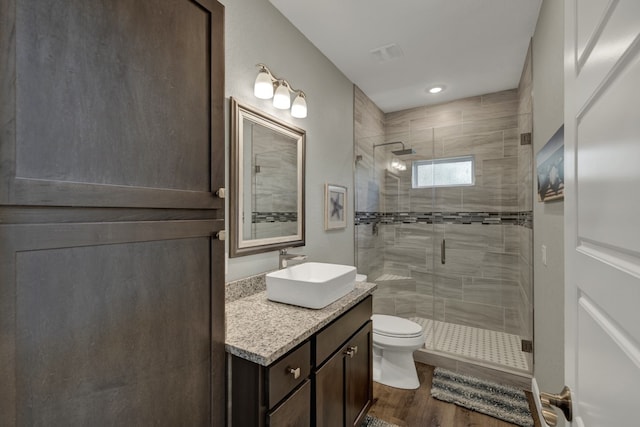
[[443, 252]]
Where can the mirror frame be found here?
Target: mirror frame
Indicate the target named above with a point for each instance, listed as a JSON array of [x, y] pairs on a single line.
[[238, 246]]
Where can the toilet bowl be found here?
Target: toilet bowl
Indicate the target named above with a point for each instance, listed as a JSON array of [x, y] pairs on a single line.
[[394, 341]]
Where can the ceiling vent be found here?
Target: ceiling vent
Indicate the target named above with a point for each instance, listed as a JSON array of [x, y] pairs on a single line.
[[387, 53]]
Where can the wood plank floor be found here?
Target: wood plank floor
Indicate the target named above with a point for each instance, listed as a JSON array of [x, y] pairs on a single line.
[[413, 408]]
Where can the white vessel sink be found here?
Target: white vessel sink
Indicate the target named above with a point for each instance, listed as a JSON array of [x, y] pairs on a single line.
[[311, 285]]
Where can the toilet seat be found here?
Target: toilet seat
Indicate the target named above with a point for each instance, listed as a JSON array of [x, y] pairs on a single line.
[[396, 327]]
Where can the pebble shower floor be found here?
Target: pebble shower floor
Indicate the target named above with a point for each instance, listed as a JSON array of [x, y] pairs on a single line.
[[481, 344]]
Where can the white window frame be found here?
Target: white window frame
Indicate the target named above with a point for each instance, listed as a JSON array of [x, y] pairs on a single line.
[[417, 163]]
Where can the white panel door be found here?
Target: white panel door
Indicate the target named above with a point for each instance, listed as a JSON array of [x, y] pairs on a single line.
[[602, 210]]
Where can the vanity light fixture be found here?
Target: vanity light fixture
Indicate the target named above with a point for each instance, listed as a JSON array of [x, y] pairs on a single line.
[[264, 89], [281, 98]]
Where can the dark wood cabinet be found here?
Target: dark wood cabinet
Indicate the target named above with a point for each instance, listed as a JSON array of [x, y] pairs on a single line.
[[293, 411], [343, 383], [261, 393], [333, 385], [111, 152], [116, 104], [329, 401], [358, 376]]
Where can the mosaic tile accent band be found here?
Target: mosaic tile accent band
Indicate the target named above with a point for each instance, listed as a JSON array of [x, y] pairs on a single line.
[[262, 217], [524, 219]]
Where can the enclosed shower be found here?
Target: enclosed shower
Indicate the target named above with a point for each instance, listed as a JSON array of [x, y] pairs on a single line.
[[444, 224]]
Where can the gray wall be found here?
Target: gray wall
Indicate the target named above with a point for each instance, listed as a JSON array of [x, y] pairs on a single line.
[[548, 95], [257, 32]]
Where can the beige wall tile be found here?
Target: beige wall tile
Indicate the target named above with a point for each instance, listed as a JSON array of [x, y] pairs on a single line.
[[473, 314], [492, 125], [511, 142], [500, 97], [498, 172]]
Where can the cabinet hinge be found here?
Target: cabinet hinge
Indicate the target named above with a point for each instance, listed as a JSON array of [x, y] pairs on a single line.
[[220, 193], [220, 235]]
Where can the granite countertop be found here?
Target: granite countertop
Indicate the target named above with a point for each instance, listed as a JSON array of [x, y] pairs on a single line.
[[261, 331]]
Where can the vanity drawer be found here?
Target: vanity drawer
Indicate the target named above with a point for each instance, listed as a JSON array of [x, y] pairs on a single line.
[[334, 335], [285, 375], [295, 411]]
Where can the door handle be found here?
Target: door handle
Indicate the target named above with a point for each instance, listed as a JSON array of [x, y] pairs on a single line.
[[443, 252], [561, 401]]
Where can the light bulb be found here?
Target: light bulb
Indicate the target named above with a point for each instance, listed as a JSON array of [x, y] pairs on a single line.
[[281, 98], [263, 87], [299, 106]]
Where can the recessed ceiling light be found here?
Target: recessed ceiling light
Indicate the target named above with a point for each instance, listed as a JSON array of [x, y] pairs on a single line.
[[436, 89]]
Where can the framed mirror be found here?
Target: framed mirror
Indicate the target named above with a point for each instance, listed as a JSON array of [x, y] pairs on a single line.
[[266, 182]]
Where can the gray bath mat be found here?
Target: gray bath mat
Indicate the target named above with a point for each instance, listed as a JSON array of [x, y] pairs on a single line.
[[371, 421], [497, 400]]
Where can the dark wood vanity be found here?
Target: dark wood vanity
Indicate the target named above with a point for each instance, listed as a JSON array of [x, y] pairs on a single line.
[[324, 381]]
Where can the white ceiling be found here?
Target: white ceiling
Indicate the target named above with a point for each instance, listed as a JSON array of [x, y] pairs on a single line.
[[472, 47]]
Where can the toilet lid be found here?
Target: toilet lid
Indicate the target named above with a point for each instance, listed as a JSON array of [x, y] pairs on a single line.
[[393, 326]]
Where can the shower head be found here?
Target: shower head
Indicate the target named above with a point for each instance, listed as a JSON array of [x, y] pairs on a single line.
[[404, 151]]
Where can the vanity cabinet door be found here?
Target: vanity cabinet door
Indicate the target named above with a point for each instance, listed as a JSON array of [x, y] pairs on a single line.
[[295, 411], [330, 392], [344, 388], [358, 376]]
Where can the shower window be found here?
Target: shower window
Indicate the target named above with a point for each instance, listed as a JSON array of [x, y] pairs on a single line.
[[447, 172]]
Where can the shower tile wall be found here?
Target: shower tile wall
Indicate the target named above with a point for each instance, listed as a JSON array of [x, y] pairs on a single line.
[[480, 284]]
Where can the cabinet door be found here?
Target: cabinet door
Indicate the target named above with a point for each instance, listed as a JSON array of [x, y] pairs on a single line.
[[112, 104], [330, 392], [295, 411], [111, 324], [358, 376]]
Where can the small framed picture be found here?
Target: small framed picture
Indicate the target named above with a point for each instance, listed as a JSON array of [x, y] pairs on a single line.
[[550, 168], [335, 207]]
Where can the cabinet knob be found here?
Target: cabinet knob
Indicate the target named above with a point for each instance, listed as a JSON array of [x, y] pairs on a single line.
[[294, 372], [351, 351]]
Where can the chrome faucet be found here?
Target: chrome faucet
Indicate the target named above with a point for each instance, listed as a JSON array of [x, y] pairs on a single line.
[[287, 260]]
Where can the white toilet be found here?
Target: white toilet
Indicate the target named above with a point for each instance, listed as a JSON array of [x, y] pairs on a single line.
[[394, 341]]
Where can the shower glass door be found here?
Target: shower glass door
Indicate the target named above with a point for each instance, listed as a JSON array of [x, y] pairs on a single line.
[[479, 305]]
